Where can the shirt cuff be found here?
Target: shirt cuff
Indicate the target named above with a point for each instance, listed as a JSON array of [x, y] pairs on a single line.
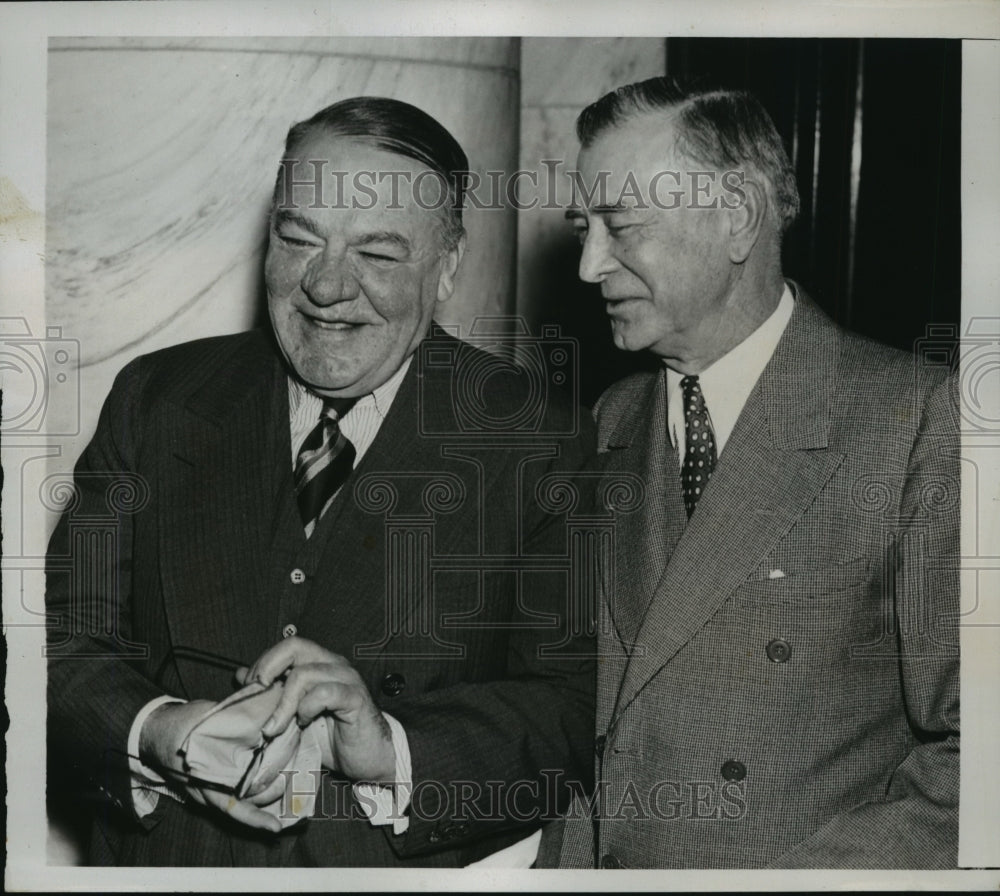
[[147, 785], [518, 855], [386, 804]]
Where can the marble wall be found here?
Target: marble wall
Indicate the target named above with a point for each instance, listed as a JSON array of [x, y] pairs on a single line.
[[161, 160], [162, 151], [559, 76]]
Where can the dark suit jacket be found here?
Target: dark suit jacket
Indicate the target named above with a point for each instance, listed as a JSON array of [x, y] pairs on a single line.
[[808, 720], [178, 549]]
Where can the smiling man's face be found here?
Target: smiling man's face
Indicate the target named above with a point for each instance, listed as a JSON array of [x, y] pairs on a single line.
[[351, 290]]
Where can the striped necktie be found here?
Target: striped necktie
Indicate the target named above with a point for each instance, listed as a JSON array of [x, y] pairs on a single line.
[[700, 455], [324, 462]]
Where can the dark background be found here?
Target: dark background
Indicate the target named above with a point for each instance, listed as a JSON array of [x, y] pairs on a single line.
[[873, 130]]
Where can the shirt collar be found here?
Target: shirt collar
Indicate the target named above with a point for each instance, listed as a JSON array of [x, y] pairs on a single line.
[[380, 399], [728, 382]]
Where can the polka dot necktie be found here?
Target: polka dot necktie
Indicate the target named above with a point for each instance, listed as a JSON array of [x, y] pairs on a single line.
[[700, 455], [324, 462]]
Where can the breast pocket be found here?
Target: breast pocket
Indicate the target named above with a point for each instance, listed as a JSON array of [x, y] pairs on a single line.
[[806, 584], [810, 618]]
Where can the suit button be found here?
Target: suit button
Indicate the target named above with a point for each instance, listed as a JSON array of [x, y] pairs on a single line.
[[599, 744], [611, 861], [778, 650], [393, 684], [455, 829], [733, 770], [297, 576], [289, 630]]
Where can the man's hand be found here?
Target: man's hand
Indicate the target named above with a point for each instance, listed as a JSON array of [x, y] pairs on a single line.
[[159, 747], [321, 684]]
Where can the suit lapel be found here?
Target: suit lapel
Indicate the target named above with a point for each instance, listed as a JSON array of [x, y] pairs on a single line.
[[644, 539], [402, 461], [770, 472], [218, 487]]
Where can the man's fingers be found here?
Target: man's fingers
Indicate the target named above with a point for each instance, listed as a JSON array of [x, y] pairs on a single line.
[[242, 811], [248, 814], [269, 794], [271, 664], [284, 712], [360, 739], [286, 654], [299, 683], [343, 699]]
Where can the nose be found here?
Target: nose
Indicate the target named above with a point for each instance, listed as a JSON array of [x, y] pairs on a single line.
[[596, 260], [328, 278]]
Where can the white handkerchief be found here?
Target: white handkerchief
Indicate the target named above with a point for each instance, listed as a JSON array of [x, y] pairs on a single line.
[[227, 749], [776, 574], [303, 777]]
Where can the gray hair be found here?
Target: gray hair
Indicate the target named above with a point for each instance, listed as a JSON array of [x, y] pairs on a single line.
[[724, 129]]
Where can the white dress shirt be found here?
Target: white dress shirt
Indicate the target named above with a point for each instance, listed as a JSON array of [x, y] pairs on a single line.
[[727, 383]]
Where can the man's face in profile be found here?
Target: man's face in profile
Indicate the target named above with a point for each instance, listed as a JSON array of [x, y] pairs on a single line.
[[351, 290], [659, 255]]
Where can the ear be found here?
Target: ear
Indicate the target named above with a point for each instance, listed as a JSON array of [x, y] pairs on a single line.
[[747, 220], [450, 263]]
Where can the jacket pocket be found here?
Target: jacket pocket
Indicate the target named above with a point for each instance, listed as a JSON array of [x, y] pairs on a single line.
[[806, 583]]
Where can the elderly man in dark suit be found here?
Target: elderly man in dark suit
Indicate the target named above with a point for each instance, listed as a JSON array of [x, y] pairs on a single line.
[[275, 501], [779, 679]]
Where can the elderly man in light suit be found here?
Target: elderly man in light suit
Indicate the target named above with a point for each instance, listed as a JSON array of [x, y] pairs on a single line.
[[779, 682]]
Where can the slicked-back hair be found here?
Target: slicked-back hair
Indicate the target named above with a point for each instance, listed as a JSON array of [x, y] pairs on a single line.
[[396, 127], [718, 128]]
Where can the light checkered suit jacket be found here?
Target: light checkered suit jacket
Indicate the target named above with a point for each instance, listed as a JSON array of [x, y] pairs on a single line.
[[780, 680]]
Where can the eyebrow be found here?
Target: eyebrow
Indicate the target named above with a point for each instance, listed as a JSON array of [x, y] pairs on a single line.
[[573, 214], [283, 216], [385, 236]]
